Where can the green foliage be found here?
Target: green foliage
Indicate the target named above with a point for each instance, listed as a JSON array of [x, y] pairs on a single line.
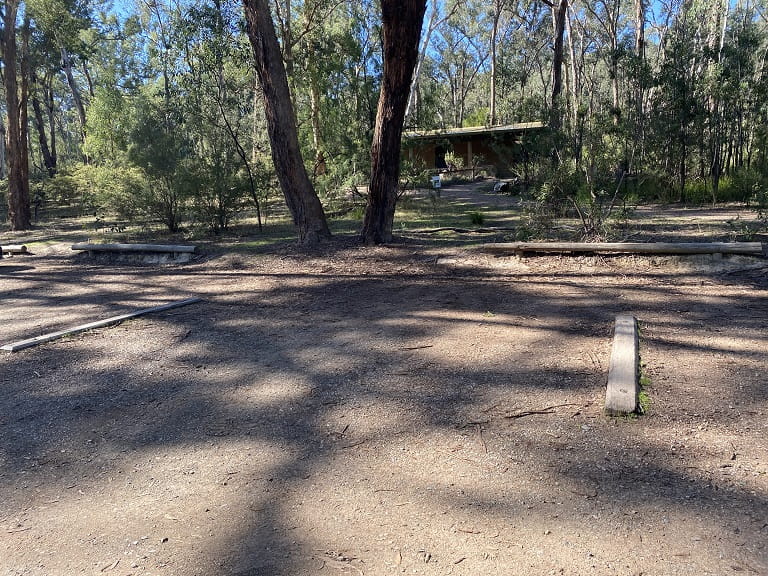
[[220, 191], [109, 122], [478, 117], [454, 161], [744, 185], [652, 187], [112, 189], [697, 191], [546, 203], [414, 174], [65, 190], [160, 149]]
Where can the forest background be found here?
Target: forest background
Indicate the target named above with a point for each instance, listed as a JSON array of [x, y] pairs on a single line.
[[150, 112]]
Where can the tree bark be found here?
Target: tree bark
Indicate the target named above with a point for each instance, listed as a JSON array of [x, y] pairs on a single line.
[[497, 6], [19, 212], [641, 77], [49, 160], [50, 107], [66, 62], [300, 195], [3, 138], [401, 29], [559, 13]]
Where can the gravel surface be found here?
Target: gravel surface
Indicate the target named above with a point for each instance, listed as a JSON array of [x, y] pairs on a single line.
[[375, 411]]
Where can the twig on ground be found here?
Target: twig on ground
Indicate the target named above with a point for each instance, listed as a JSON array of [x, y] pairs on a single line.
[[354, 444], [491, 407], [480, 435], [546, 410], [111, 566], [473, 423]]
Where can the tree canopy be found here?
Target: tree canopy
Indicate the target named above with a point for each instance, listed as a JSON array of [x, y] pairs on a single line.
[[155, 111]]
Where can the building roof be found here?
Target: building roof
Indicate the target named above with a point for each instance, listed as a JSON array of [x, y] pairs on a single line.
[[473, 131]]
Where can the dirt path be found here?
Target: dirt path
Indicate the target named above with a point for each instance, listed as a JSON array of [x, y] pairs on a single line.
[[382, 411]]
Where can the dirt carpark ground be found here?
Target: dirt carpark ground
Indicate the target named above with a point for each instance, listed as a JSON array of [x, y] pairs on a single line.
[[406, 409]]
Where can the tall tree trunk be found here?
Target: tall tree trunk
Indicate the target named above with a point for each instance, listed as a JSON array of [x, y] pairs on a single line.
[[3, 137], [575, 84], [66, 62], [49, 160], [401, 29], [19, 212], [88, 78], [559, 13], [640, 79], [302, 200], [497, 5], [313, 71], [50, 107]]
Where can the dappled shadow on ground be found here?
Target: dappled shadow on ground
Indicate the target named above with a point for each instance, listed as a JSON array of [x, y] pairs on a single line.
[[318, 414]]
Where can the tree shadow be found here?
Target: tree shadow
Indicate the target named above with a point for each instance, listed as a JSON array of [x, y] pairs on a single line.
[[361, 423]]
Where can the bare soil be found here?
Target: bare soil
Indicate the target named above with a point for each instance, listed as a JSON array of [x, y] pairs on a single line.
[[408, 409]]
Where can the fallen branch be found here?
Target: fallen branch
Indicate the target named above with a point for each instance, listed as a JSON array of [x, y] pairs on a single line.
[[679, 248], [547, 410], [461, 230]]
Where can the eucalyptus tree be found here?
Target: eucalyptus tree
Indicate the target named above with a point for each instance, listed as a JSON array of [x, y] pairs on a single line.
[[401, 29], [61, 24], [303, 202], [331, 60], [15, 80], [217, 84], [437, 18], [462, 57]]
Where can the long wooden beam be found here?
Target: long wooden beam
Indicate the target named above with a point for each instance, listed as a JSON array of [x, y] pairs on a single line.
[[744, 248], [21, 345], [134, 248], [14, 249]]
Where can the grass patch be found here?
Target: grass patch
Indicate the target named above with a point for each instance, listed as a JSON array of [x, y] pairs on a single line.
[[643, 398], [476, 218]]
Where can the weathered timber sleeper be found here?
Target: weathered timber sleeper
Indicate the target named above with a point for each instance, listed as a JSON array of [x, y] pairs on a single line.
[[135, 248], [13, 249], [682, 248], [21, 345], [148, 253]]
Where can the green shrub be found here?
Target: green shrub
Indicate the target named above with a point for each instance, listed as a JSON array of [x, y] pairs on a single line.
[[118, 190], [476, 218], [743, 185]]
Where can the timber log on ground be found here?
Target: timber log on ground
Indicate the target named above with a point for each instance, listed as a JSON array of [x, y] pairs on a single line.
[[140, 253], [681, 248], [135, 248], [13, 249]]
